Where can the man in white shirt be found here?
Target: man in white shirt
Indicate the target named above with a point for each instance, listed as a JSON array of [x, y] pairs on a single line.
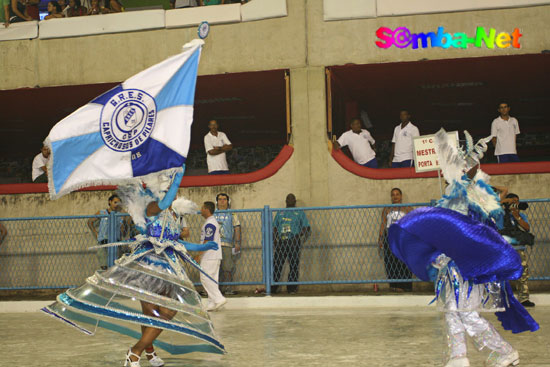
[[211, 259], [216, 144], [504, 130], [359, 142], [39, 165], [402, 147]]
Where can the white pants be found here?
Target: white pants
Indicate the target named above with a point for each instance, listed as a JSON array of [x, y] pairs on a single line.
[[478, 328], [212, 268]]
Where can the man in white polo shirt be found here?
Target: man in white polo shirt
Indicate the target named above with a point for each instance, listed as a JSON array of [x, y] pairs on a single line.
[[359, 142], [504, 130], [39, 165], [216, 144], [402, 148], [211, 259]]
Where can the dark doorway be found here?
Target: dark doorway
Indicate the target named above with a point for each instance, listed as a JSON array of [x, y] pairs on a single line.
[[456, 94], [250, 109]]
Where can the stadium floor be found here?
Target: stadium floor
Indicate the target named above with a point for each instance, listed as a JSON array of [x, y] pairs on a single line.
[[286, 337]]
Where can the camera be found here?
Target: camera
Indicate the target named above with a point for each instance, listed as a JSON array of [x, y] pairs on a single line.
[[519, 206]]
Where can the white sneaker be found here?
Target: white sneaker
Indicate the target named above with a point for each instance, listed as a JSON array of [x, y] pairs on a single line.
[[210, 306], [511, 359], [458, 362]]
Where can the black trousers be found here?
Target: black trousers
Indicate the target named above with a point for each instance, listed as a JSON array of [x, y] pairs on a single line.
[[287, 249], [396, 269]]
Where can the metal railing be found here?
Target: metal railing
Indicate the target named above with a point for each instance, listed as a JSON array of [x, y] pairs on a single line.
[[345, 245]]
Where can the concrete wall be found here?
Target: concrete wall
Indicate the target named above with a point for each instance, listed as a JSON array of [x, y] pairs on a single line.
[[353, 41], [302, 42]]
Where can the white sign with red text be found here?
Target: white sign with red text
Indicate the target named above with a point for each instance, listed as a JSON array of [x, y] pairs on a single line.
[[425, 157]]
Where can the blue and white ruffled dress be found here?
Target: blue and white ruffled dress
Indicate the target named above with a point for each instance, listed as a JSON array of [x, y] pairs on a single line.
[[153, 273]]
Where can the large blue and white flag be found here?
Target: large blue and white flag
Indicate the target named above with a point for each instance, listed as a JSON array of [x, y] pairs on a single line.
[[141, 126]]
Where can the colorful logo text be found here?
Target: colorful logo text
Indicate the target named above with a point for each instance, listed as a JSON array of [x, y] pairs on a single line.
[[402, 38]]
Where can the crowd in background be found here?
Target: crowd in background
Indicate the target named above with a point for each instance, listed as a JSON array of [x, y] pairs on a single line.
[[220, 156], [14, 11], [503, 132]]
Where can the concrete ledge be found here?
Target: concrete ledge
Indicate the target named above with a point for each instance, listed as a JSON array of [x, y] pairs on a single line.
[[263, 9], [350, 9], [100, 24], [358, 9], [19, 31], [407, 7], [214, 14], [262, 303]]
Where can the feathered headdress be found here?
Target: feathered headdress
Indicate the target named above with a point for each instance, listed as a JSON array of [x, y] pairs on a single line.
[[456, 161]]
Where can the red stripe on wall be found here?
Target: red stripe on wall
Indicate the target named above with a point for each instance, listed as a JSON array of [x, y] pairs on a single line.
[[188, 181], [402, 173]]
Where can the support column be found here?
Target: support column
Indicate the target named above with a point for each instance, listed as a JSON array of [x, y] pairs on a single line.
[[308, 103]]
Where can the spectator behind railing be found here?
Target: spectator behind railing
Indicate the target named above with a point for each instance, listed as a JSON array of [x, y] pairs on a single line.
[[95, 8], [40, 164], [76, 9], [216, 144], [504, 130], [18, 11], [54, 10], [113, 6], [211, 2], [5, 12], [402, 149], [100, 228], [32, 9], [290, 230], [230, 233], [360, 143], [180, 4], [395, 268], [64, 7]]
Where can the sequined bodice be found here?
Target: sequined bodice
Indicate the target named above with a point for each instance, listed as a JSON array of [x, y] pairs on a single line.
[[172, 228]]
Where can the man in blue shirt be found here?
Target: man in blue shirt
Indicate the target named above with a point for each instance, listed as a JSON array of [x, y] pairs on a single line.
[[230, 232], [291, 228], [100, 228]]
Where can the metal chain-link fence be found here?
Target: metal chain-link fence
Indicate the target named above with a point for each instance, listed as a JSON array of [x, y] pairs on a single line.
[[47, 252], [538, 255], [336, 245], [290, 246]]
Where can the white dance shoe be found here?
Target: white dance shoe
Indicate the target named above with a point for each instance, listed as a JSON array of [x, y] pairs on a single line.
[[506, 360], [458, 362], [155, 360], [129, 362]]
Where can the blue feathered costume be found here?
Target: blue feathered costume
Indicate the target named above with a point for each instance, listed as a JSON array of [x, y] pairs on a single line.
[[456, 245]]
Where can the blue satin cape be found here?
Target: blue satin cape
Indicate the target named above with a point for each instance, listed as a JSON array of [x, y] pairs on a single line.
[[481, 254]]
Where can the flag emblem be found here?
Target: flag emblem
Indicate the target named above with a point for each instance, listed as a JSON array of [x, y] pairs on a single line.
[[127, 119]]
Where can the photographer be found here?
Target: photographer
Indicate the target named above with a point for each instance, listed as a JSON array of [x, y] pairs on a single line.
[[516, 226]]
